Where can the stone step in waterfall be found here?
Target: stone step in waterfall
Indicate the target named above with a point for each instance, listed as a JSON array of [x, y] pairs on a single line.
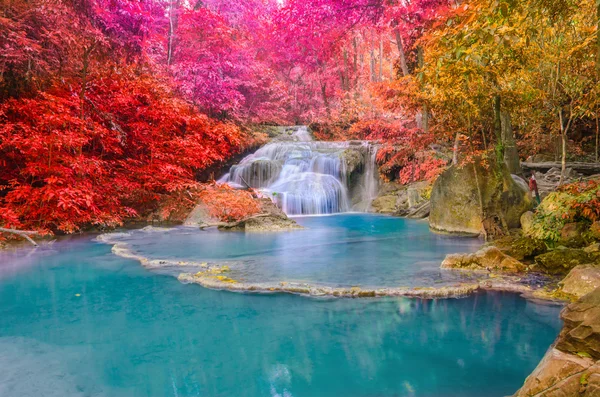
[[307, 177]]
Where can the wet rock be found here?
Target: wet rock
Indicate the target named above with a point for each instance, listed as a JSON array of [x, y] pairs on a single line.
[[580, 281], [456, 204], [489, 259], [527, 221], [561, 261], [353, 159]]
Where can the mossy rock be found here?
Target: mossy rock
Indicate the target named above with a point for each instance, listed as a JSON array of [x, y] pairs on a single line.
[[455, 198], [488, 258], [561, 261], [353, 159], [573, 235], [385, 204], [525, 248]]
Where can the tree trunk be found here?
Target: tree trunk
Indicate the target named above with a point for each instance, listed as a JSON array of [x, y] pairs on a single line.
[[564, 130], [455, 150], [403, 64], [496, 104], [563, 161], [372, 53], [23, 233], [598, 39], [480, 197], [171, 33], [380, 59], [597, 137], [346, 73], [325, 99], [425, 109], [511, 154]]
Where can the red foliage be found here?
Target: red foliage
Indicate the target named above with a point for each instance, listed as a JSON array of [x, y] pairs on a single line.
[[228, 204], [585, 200], [406, 153], [134, 143]]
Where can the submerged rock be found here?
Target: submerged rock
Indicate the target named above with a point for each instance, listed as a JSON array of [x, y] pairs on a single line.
[[561, 261], [488, 259], [456, 202]]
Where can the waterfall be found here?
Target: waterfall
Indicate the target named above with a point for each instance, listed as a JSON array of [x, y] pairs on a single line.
[[369, 185], [304, 176]]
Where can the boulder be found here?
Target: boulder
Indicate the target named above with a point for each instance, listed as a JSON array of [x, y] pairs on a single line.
[[581, 331], [559, 374], [353, 159], [200, 215], [456, 202], [410, 201], [273, 219], [385, 204], [571, 235], [561, 261], [527, 248], [521, 248], [488, 258], [571, 366], [414, 196], [580, 281], [527, 221]]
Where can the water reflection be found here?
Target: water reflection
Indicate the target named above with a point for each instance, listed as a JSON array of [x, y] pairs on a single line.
[[341, 250], [76, 320]]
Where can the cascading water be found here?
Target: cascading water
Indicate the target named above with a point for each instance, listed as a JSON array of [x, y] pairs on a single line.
[[369, 184], [304, 176]]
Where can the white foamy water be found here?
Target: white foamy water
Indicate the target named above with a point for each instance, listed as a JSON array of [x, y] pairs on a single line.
[[306, 177]]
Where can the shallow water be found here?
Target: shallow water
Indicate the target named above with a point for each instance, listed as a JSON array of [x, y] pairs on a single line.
[[77, 320], [341, 250]]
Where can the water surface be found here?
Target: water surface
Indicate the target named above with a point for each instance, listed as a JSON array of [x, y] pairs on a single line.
[[342, 250], [76, 320]]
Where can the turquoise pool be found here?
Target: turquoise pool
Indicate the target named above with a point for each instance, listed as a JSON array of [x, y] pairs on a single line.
[[77, 320]]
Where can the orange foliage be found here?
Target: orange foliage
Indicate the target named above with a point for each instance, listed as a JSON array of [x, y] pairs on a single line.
[[228, 204]]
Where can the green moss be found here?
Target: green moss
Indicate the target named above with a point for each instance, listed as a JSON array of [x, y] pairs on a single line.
[[560, 261]]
